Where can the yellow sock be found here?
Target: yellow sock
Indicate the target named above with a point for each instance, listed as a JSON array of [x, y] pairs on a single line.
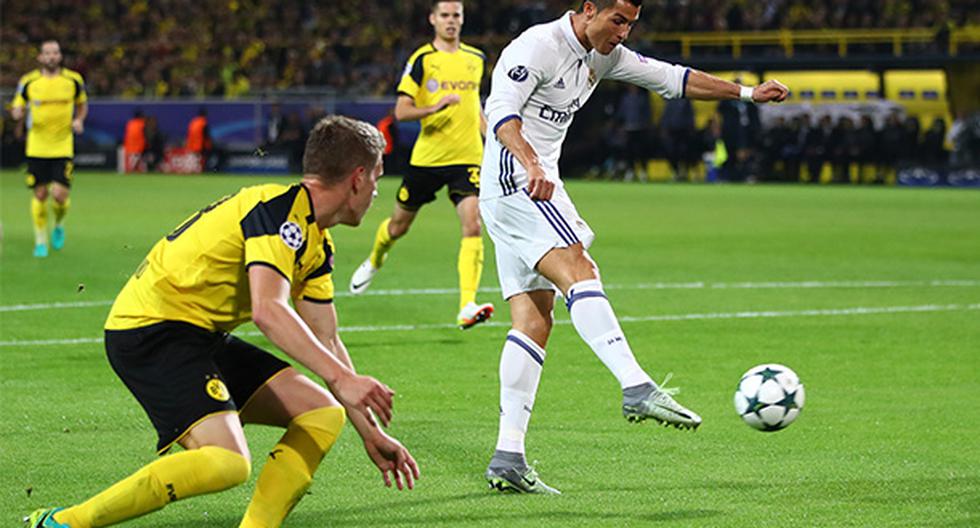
[[39, 215], [470, 268], [382, 244], [60, 210], [289, 471], [170, 478]]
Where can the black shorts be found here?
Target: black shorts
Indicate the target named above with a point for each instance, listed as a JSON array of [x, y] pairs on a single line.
[[42, 171], [181, 373], [420, 184]]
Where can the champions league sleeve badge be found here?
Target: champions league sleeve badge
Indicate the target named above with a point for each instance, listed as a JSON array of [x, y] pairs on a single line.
[[518, 73], [291, 234]]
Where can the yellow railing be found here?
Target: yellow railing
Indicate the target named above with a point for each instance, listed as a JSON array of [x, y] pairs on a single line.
[[788, 40]]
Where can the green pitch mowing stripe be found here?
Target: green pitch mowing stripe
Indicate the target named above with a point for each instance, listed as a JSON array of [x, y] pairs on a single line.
[[884, 439], [836, 312]]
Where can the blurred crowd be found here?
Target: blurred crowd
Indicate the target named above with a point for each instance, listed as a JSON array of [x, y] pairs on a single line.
[[734, 15], [821, 145], [231, 48]]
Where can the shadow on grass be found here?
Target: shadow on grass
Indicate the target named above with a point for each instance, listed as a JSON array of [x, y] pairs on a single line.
[[487, 516], [361, 340], [405, 512], [482, 508]]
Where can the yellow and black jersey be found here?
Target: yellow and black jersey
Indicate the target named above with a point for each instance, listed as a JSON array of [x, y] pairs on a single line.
[[199, 272], [451, 136], [50, 102]]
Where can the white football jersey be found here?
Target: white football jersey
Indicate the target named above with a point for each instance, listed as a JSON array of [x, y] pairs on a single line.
[[542, 78]]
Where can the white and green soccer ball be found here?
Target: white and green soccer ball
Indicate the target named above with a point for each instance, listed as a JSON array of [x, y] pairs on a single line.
[[769, 397]]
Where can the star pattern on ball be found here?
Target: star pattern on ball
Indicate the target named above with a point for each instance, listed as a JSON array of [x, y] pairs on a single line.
[[789, 400], [769, 374], [754, 405]]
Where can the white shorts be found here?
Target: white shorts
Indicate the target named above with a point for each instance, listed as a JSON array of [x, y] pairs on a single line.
[[524, 231]]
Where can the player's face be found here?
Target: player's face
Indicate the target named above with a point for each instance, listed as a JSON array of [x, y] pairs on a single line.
[[50, 56], [368, 192], [447, 19], [608, 28]]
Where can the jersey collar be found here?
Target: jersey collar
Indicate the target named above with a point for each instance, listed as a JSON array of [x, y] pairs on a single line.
[[311, 218], [565, 23]]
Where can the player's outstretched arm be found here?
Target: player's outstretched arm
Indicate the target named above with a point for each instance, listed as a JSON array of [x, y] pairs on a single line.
[[284, 327], [702, 85], [386, 452]]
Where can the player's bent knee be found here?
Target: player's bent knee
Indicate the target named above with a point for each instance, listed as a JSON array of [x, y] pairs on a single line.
[[472, 230], [398, 229], [321, 427], [225, 469], [200, 471], [538, 330]]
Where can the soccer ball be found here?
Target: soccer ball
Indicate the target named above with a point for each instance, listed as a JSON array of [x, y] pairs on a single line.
[[769, 397]]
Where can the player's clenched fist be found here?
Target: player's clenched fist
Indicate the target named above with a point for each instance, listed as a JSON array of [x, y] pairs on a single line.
[[770, 91], [538, 186]]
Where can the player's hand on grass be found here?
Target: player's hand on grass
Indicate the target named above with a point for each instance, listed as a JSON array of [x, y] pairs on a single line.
[[78, 126], [539, 187], [363, 393], [770, 91], [393, 459]]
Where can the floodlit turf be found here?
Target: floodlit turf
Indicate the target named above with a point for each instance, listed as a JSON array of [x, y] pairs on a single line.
[[711, 279]]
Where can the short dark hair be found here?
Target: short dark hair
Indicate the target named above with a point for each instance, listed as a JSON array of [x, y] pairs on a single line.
[[337, 145], [40, 47], [603, 4], [437, 2]]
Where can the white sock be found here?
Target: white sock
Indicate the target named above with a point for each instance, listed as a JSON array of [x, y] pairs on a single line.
[[520, 371], [596, 323]]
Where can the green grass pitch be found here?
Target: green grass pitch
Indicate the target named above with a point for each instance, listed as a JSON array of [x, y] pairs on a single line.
[[871, 294]]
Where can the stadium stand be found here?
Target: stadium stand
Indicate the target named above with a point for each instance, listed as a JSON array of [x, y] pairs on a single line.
[[248, 49], [173, 47]]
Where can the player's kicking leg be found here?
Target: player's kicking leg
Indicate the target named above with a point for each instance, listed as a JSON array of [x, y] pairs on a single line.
[[575, 273], [390, 230], [521, 362], [470, 264]]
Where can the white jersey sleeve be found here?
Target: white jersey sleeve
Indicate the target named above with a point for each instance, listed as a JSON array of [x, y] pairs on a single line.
[[667, 80], [519, 71]]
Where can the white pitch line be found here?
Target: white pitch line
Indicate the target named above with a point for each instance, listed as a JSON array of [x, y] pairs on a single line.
[[52, 306], [642, 286], [825, 312], [843, 284]]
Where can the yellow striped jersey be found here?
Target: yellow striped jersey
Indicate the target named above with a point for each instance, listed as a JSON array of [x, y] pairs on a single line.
[[199, 272], [451, 136], [50, 102]]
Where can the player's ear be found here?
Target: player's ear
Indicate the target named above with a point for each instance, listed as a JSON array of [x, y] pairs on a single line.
[[358, 179], [432, 18], [589, 9]]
